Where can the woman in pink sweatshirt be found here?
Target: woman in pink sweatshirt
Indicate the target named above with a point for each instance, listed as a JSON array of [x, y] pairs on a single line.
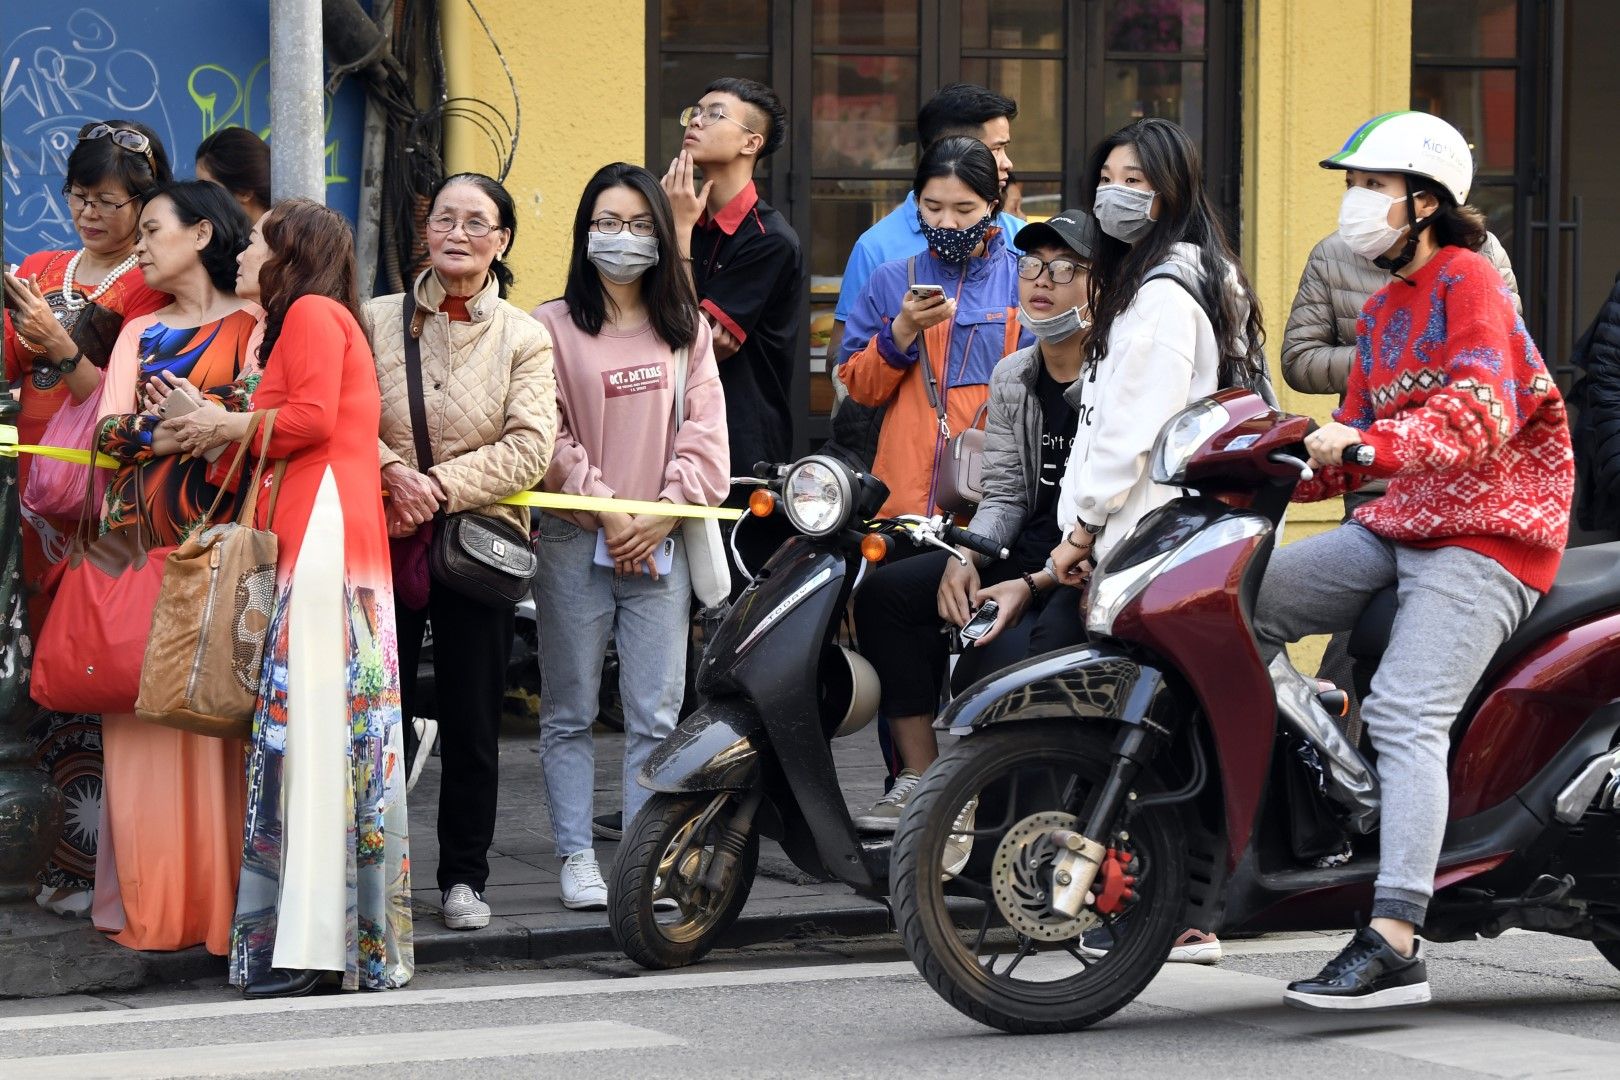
[[627, 322]]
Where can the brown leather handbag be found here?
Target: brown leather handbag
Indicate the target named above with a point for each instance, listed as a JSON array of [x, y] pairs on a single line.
[[206, 649]]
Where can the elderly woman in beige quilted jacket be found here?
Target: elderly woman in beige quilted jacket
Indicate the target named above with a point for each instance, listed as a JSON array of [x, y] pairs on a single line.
[[491, 410]]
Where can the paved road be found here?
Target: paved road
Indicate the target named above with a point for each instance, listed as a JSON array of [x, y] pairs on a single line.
[[1526, 1005]]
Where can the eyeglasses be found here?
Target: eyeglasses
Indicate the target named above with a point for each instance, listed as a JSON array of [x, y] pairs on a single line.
[[473, 227], [125, 139], [1062, 270], [711, 115], [80, 203], [611, 226]]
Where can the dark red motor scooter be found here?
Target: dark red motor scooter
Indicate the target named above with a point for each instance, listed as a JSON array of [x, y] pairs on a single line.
[[1162, 777]]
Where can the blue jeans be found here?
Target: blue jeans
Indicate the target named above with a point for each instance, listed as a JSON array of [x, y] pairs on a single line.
[[580, 607]]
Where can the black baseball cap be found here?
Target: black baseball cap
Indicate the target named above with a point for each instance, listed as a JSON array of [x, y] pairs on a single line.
[[1073, 229]]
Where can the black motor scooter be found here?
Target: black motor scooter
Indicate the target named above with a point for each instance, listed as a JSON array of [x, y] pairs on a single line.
[[756, 757]]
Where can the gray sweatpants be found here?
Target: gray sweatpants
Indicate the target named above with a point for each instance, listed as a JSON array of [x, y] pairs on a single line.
[[1456, 609]]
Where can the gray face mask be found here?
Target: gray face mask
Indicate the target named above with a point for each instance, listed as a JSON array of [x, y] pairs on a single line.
[[1122, 212], [1054, 329], [621, 257]]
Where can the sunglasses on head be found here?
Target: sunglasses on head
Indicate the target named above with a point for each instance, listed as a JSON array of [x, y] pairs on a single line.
[[124, 139]]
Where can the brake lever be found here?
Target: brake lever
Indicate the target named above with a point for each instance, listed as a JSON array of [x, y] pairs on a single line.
[[926, 531], [1304, 467]]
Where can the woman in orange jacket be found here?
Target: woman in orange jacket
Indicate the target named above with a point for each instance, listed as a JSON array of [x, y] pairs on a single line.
[[955, 304]]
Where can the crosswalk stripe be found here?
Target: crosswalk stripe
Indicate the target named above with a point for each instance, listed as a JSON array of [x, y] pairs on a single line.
[[466, 995], [299, 1055], [1437, 1036]]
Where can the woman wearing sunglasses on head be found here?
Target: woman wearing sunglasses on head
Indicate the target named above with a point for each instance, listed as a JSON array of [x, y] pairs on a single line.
[[65, 310]]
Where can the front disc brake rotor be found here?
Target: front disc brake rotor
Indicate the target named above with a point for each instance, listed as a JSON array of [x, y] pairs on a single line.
[[1021, 876]]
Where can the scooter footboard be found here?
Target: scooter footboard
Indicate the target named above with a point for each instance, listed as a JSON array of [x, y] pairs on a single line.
[[1087, 683], [711, 750]]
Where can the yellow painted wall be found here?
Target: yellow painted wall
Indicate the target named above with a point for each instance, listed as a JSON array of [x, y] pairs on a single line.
[[1314, 70], [578, 69]]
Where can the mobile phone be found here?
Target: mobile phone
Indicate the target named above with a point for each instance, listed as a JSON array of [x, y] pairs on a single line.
[[663, 554], [983, 619], [179, 403], [923, 292], [12, 270]]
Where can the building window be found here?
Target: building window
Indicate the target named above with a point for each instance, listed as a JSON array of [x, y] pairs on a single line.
[[1465, 68], [853, 72]]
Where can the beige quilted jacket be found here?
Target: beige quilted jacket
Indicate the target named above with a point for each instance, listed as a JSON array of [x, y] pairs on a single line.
[[1319, 344], [489, 392]]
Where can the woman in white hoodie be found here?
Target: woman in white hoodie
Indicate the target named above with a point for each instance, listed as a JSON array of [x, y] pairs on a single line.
[[1175, 321]]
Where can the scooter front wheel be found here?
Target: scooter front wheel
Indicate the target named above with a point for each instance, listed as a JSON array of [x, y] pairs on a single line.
[[678, 850], [987, 823]]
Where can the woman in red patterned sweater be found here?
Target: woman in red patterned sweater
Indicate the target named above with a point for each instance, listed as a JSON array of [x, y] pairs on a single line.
[[1465, 423]]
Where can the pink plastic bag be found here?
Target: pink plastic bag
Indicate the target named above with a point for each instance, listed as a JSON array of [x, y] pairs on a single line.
[[56, 488]]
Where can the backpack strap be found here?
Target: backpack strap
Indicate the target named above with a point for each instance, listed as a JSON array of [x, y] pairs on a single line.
[[930, 380]]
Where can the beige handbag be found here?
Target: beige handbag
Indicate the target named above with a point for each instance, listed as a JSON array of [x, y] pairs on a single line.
[[206, 650]]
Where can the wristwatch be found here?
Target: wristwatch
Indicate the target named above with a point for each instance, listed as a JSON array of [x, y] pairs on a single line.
[[1091, 530], [66, 367]]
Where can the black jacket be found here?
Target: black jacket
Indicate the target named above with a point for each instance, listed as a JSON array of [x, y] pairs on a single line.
[[1596, 397]]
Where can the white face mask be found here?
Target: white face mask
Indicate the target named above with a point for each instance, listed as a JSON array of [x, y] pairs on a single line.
[[1364, 222], [1057, 327]]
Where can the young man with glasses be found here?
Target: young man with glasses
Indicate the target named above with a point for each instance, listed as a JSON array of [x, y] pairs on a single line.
[[958, 109], [749, 273]]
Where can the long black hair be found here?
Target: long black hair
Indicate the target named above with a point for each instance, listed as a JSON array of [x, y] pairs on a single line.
[[965, 158], [203, 200], [505, 209], [1175, 172], [95, 160], [671, 304]]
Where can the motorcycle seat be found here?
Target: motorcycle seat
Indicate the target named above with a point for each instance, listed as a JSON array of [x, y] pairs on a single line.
[[1588, 582]]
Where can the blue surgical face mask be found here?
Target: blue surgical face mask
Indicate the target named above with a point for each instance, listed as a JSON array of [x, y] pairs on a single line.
[[954, 245]]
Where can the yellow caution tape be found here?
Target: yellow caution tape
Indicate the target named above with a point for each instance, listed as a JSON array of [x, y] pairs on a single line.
[[595, 504], [10, 447], [546, 500]]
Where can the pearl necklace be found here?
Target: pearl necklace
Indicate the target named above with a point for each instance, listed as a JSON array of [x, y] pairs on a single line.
[[72, 302]]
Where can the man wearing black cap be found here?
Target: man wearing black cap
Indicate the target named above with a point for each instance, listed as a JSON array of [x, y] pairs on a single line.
[[901, 607]]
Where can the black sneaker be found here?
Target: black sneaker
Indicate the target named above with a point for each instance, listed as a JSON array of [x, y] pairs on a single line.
[[608, 826], [1368, 974]]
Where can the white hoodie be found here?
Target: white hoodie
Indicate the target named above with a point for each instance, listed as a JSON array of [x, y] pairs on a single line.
[[1162, 356]]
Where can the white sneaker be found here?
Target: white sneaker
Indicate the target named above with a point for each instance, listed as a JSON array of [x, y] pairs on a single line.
[[884, 817], [426, 732], [959, 844], [464, 909], [581, 882]]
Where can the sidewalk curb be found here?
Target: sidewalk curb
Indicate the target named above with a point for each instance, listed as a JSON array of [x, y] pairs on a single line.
[[506, 939]]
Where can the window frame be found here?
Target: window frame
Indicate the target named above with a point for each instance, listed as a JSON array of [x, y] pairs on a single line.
[[940, 55]]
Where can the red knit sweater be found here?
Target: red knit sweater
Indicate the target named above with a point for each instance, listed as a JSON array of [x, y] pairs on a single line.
[[1468, 426]]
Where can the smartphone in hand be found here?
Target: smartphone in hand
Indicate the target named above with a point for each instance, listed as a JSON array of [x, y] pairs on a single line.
[[923, 292], [983, 619]]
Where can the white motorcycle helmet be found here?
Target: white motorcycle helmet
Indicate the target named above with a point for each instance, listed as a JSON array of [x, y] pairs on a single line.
[[1416, 143]]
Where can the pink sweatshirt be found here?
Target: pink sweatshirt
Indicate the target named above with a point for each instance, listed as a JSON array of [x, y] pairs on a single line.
[[616, 415]]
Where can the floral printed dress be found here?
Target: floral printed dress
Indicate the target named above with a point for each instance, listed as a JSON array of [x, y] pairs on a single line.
[[325, 880]]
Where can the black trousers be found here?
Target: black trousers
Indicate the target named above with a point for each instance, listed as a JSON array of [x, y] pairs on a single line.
[[472, 645], [1059, 625], [900, 632]]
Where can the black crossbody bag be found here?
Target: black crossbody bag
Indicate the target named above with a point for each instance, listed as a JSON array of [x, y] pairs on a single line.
[[477, 556]]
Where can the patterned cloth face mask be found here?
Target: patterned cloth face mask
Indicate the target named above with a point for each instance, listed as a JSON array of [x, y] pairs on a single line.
[[954, 245]]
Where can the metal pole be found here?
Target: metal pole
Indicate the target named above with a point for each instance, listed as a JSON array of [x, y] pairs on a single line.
[[368, 229], [297, 101]]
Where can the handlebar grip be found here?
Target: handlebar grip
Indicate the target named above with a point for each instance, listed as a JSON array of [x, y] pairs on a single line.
[[974, 542], [1361, 455]]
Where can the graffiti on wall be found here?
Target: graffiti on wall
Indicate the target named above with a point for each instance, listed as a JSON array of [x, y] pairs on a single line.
[[184, 83]]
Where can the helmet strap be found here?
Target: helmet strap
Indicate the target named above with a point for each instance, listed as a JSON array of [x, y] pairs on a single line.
[[1395, 264]]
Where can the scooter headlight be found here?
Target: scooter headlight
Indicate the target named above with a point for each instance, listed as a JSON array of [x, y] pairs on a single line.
[[1111, 590], [818, 496], [1182, 436]]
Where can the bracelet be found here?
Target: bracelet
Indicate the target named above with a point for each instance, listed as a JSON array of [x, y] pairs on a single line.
[[1029, 579], [1068, 538]]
